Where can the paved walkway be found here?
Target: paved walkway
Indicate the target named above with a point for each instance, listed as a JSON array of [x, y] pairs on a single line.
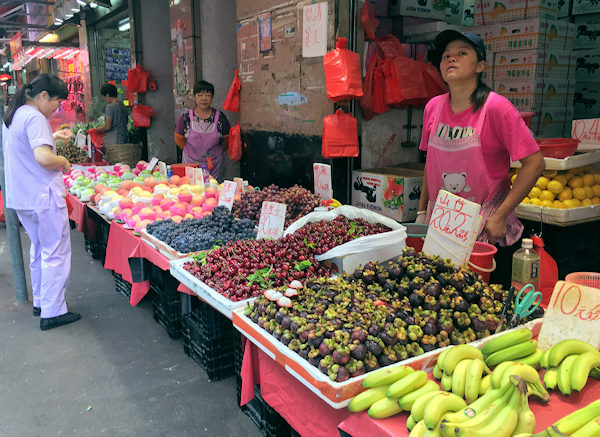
[[113, 373]]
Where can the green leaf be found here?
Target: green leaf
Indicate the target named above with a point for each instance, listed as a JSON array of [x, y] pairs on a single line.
[[302, 265], [309, 245]]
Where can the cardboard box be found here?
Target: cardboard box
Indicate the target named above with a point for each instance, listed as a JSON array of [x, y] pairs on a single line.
[[426, 32], [581, 7], [460, 12], [586, 101], [563, 8], [531, 64], [434, 9], [380, 7], [552, 122], [532, 34], [501, 11], [586, 33], [531, 95], [587, 65], [391, 191], [489, 34], [487, 76]]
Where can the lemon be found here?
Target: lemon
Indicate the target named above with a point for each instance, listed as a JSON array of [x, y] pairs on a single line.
[[573, 171], [596, 189], [526, 200], [565, 194], [589, 192], [558, 204], [542, 182], [547, 203], [595, 200], [546, 195], [570, 203], [555, 186], [549, 173], [512, 178], [586, 202], [535, 201], [597, 178], [588, 179], [561, 178], [534, 193], [579, 193], [569, 176], [576, 182], [577, 202]]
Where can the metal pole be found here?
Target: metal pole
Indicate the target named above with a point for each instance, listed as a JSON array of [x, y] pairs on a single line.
[[13, 235]]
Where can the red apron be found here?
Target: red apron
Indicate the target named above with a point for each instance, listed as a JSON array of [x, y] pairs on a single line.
[[458, 166], [203, 142]]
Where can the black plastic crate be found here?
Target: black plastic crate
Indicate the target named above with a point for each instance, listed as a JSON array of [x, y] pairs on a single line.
[[162, 280], [254, 408], [273, 424], [166, 310], [211, 324], [121, 285]]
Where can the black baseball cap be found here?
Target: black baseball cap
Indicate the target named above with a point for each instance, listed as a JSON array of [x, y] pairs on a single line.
[[441, 41]]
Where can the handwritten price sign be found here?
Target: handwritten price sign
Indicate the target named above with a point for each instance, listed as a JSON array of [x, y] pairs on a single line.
[[227, 194], [152, 164], [450, 217], [322, 174], [573, 312], [272, 219], [314, 30], [191, 175], [587, 132]]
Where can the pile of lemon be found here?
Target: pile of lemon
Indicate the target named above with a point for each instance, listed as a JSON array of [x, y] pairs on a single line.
[[565, 189]]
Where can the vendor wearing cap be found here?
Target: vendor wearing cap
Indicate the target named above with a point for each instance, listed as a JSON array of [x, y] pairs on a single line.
[[470, 136]]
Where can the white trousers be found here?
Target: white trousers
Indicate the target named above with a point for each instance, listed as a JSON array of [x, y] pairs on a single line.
[[49, 256]]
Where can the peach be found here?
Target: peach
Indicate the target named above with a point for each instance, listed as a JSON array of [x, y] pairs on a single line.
[[157, 209], [147, 189], [211, 201], [97, 198], [128, 185], [166, 204], [165, 214], [125, 214], [184, 196], [208, 207], [210, 192], [197, 200], [147, 214], [174, 180], [177, 218], [163, 182], [137, 207], [125, 203], [100, 188], [184, 180], [178, 209], [150, 182], [196, 210], [142, 225]]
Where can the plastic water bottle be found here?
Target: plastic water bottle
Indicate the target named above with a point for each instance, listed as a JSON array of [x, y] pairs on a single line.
[[205, 175], [169, 171], [525, 266]]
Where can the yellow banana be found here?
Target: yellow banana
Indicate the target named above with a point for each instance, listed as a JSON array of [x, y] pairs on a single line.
[[419, 405], [440, 405], [498, 372], [410, 382], [532, 360], [519, 350], [437, 372], [485, 384], [590, 429], [526, 421], [595, 373], [383, 408], [446, 382], [419, 430], [407, 401], [442, 355], [410, 423], [571, 423], [473, 380], [581, 369], [459, 377], [386, 376], [458, 354], [551, 378], [364, 400], [531, 377], [562, 349], [478, 406], [564, 374], [506, 340]]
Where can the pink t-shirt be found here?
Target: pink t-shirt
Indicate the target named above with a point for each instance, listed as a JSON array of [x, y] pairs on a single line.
[[504, 135]]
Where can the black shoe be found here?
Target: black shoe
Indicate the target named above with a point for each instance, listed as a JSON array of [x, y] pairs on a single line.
[[37, 311], [55, 322]]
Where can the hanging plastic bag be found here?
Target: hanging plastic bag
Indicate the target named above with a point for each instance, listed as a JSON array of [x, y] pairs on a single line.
[[141, 115], [366, 101], [137, 79], [235, 143], [434, 84], [379, 105], [393, 94], [548, 271], [232, 99], [368, 21], [410, 80], [340, 136], [96, 137], [342, 72]]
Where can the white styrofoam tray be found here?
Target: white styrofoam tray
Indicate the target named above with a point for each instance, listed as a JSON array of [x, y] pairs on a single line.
[[556, 215], [569, 162], [204, 292], [166, 250]]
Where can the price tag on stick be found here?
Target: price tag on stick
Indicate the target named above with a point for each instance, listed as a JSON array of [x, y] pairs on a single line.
[[272, 220], [152, 164], [573, 312], [322, 173], [190, 174], [162, 168], [227, 194]]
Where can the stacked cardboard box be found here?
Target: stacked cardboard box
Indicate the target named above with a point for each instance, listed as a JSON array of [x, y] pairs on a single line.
[[586, 61]]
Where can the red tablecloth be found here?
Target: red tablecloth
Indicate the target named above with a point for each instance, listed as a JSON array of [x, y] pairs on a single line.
[[80, 216]]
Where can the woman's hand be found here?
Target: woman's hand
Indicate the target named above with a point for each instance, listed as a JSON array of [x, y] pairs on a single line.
[[63, 134], [495, 228], [66, 166]]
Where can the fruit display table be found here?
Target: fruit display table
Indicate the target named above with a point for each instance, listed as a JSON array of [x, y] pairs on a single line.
[[79, 215]]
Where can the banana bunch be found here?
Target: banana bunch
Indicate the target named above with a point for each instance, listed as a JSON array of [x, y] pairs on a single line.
[[584, 422], [514, 346], [462, 371], [501, 412], [502, 372], [391, 390], [569, 363], [427, 411]]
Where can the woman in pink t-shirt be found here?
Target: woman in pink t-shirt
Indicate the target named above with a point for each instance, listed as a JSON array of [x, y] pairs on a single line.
[[470, 136]]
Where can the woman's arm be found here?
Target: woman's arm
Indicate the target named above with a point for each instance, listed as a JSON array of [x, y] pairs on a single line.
[[44, 157], [225, 142], [62, 134], [532, 167], [423, 201], [180, 129], [107, 125]]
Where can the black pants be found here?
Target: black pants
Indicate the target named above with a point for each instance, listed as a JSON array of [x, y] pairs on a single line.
[[502, 274]]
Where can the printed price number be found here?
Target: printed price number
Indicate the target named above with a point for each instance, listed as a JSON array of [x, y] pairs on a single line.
[[449, 218], [227, 194], [272, 220], [570, 300]]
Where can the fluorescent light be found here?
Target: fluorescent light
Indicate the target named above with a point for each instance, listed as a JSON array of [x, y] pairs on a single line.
[[124, 24], [81, 3], [49, 37]]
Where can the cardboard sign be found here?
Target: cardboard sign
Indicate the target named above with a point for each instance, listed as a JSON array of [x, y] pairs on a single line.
[[573, 312], [227, 194], [162, 168], [199, 177], [272, 220], [314, 30], [239, 186], [89, 149], [322, 174], [587, 132], [191, 175], [152, 164], [453, 228], [81, 140]]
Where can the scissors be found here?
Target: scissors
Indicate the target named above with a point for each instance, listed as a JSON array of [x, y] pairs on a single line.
[[526, 303]]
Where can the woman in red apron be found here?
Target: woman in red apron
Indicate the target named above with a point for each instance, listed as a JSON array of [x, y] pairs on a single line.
[[203, 132], [470, 135]]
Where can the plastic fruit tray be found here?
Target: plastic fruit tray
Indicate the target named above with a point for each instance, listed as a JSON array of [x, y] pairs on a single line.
[[335, 394], [556, 215], [162, 247]]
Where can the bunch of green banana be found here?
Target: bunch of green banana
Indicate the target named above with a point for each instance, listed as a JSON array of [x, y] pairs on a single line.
[[461, 370], [514, 346], [503, 371], [569, 363], [584, 422], [500, 413]]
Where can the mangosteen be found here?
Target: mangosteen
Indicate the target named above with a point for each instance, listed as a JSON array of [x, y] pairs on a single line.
[[315, 340], [337, 323], [370, 266], [303, 335], [402, 291], [359, 334], [286, 338], [255, 317], [460, 304], [406, 317], [277, 333], [303, 314], [457, 281], [359, 351], [385, 360], [428, 347], [262, 307], [359, 371], [409, 251], [279, 316], [331, 293], [341, 355], [261, 323], [324, 349], [479, 323], [416, 284], [389, 287], [416, 300], [342, 374], [382, 277], [387, 338], [425, 273], [373, 347], [324, 365], [433, 289], [371, 363], [395, 272], [314, 361], [303, 353], [430, 328], [356, 275], [374, 330]]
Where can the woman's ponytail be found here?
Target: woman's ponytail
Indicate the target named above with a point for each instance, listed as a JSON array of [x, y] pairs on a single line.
[[480, 94], [18, 100]]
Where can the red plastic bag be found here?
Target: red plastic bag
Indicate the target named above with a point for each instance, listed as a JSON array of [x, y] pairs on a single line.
[[410, 80], [366, 101], [379, 105], [137, 79], [548, 271], [235, 143], [96, 137], [393, 93], [141, 115], [232, 99], [434, 84], [340, 136], [368, 21], [342, 72]]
